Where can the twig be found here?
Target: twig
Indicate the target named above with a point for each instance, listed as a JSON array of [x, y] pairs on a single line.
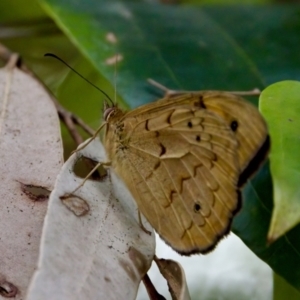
[[67, 117], [152, 292], [70, 120], [170, 93]]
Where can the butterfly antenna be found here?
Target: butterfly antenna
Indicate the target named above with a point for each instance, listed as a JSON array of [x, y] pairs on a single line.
[[115, 76], [61, 60]]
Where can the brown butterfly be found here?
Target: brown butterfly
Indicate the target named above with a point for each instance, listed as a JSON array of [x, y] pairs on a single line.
[[184, 159]]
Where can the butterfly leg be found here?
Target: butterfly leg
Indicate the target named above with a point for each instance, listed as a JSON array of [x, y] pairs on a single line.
[[141, 224], [91, 139], [90, 173]]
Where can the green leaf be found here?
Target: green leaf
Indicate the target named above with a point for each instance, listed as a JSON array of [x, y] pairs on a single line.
[[252, 225], [283, 290], [280, 106], [193, 53]]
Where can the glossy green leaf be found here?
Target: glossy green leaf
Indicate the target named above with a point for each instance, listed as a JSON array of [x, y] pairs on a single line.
[[283, 290], [192, 53], [280, 105]]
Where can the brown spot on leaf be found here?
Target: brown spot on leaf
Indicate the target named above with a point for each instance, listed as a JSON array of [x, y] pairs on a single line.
[[35, 193], [139, 260], [84, 165], [128, 269], [7, 289], [76, 205]]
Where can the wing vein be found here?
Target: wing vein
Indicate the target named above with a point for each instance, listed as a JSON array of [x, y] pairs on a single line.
[[184, 204]]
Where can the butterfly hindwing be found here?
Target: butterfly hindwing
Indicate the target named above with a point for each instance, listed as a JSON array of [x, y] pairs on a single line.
[[181, 166], [242, 118], [182, 158]]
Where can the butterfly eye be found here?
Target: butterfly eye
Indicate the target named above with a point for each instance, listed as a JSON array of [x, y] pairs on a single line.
[[197, 207], [107, 113], [234, 125]]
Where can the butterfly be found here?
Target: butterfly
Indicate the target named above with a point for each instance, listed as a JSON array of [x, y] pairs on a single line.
[[185, 158]]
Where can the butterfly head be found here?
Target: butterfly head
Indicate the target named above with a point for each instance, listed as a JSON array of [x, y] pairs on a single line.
[[107, 111], [110, 111]]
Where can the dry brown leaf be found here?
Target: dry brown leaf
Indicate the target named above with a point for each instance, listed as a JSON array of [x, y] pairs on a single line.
[[174, 274], [31, 156]]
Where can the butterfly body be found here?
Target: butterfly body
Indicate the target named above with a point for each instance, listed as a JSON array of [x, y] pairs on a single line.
[[181, 157]]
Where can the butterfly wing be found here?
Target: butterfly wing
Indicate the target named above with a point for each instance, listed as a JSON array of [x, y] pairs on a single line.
[[180, 164], [242, 117]]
